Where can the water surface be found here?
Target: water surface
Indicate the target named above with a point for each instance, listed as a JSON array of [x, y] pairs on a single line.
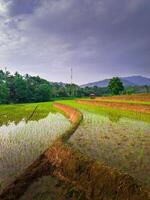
[[118, 141], [21, 142]]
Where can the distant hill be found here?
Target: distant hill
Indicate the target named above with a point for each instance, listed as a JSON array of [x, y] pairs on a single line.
[[127, 81]]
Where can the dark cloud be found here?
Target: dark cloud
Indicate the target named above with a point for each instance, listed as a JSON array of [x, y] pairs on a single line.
[[20, 7], [98, 38]]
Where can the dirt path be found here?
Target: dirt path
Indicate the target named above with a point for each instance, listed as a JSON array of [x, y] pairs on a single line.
[[133, 97], [118, 105]]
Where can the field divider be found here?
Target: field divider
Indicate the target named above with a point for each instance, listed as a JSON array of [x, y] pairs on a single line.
[[95, 179], [142, 108]]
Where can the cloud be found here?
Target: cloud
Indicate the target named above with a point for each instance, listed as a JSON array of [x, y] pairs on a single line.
[[96, 37], [3, 8], [133, 5]]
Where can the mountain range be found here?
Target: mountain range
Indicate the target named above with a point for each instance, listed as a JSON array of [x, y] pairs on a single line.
[[127, 81]]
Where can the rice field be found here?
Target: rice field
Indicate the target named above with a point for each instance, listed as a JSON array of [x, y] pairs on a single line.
[[118, 138], [25, 134]]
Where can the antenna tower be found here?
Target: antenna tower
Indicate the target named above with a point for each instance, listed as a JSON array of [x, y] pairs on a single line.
[[71, 88], [71, 76]]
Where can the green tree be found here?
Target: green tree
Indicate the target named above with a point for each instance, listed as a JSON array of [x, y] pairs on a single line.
[[115, 86], [4, 92], [129, 91], [20, 88], [146, 88], [42, 93]]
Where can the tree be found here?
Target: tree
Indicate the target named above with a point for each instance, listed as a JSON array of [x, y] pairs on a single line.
[[115, 86], [42, 93], [20, 88], [4, 92], [129, 90], [146, 89]]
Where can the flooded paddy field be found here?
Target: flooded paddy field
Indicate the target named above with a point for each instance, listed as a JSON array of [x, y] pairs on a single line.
[[26, 131], [120, 139]]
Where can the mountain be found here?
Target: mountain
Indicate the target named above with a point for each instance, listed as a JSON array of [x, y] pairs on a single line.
[[127, 81]]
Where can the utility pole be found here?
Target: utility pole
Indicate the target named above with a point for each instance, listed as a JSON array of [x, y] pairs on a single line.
[[5, 69], [71, 87]]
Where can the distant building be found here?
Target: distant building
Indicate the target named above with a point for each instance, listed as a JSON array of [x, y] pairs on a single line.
[[92, 96]]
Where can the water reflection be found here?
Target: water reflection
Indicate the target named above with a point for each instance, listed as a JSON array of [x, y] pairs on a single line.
[[23, 115], [21, 142]]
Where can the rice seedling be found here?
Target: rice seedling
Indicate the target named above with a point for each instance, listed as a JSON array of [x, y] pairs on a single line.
[[22, 142], [118, 138]]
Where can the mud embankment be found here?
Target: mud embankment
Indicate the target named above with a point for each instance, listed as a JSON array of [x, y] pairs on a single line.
[[133, 97], [118, 105], [96, 180]]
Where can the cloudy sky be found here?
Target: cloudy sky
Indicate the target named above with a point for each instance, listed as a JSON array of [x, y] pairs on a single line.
[[97, 38]]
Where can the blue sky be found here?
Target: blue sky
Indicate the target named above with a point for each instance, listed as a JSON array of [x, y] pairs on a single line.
[[97, 38]]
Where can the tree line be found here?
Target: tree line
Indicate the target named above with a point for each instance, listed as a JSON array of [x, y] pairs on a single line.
[[23, 89]]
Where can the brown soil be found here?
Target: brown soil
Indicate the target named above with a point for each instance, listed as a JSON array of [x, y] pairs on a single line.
[[133, 97], [94, 179], [70, 112], [118, 105], [50, 188]]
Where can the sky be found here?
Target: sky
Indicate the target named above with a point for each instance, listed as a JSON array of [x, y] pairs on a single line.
[[98, 39]]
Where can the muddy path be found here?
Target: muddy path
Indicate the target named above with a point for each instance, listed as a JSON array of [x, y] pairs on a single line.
[[133, 97]]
